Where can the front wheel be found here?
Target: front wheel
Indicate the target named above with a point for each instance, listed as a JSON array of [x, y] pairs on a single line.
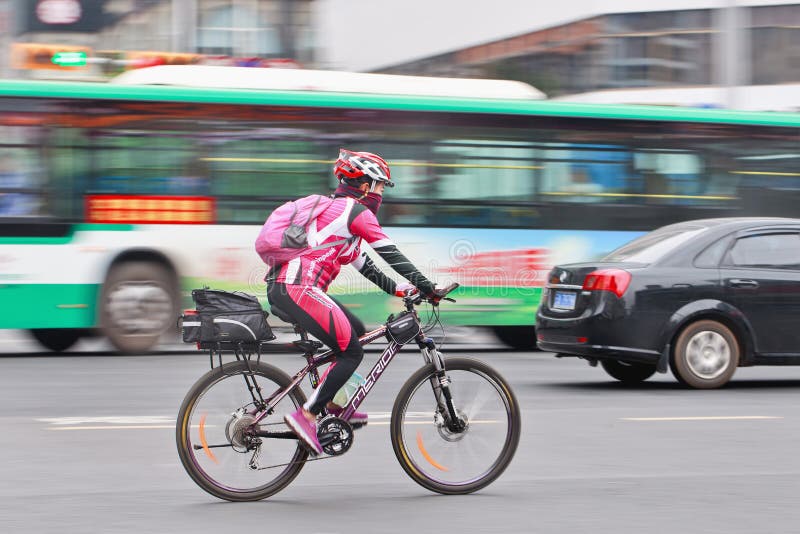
[[219, 443], [455, 457]]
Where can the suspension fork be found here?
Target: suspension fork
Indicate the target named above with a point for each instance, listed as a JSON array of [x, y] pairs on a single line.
[[440, 383]]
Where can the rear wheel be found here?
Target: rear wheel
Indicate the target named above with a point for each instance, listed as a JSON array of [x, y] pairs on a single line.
[[138, 304], [455, 457], [706, 355], [57, 339], [628, 372], [517, 337], [222, 448]]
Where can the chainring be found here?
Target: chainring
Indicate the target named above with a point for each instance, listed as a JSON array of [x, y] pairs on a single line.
[[335, 435]]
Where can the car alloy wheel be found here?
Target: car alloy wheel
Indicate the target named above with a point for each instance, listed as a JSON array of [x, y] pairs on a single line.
[[706, 355]]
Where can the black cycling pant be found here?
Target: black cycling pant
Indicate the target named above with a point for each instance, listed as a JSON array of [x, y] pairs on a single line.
[[327, 320]]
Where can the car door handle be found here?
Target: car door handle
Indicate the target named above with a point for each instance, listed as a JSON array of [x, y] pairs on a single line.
[[740, 282]]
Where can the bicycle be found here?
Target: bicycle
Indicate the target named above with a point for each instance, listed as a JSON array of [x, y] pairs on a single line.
[[233, 442]]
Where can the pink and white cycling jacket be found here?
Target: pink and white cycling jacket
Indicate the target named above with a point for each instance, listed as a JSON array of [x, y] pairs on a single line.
[[345, 218]]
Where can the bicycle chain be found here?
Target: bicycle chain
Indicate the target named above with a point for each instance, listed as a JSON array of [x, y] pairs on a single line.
[[293, 463]]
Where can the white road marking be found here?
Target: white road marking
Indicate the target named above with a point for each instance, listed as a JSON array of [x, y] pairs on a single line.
[[157, 422], [705, 418], [112, 420], [109, 427], [478, 422]]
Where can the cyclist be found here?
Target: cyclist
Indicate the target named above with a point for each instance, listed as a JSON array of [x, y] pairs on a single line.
[[299, 286]]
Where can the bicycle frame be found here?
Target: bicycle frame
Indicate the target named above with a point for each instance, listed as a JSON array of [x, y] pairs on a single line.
[[427, 348]]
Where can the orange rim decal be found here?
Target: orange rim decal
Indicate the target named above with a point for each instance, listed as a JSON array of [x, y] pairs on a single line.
[[203, 441], [427, 456]]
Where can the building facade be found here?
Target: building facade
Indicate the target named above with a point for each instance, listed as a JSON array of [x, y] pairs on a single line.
[[111, 30], [741, 46]]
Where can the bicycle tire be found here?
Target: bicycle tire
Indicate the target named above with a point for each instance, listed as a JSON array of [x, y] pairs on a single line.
[[415, 468], [184, 422]]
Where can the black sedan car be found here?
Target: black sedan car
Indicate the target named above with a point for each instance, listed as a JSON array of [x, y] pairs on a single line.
[[700, 297]]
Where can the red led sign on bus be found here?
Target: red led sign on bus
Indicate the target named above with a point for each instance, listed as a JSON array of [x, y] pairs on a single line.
[[145, 209]]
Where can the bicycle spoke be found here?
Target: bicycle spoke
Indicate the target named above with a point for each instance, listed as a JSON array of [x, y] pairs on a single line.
[[444, 457], [222, 446], [477, 403]]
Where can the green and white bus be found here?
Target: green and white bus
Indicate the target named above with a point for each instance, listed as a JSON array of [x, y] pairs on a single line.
[[116, 199]]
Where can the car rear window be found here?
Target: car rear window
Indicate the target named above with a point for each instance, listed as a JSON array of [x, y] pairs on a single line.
[[653, 246]]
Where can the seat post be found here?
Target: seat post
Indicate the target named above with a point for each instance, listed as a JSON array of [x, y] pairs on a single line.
[[300, 330]]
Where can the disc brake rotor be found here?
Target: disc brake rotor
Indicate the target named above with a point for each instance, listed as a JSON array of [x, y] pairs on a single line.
[[449, 434]]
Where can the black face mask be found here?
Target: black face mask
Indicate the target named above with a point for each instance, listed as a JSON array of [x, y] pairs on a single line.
[[371, 200]]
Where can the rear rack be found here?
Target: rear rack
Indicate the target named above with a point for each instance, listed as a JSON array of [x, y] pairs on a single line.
[[247, 351]]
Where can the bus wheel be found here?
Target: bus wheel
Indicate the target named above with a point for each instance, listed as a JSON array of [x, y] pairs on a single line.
[[56, 339], [517, 337], [138, 303]]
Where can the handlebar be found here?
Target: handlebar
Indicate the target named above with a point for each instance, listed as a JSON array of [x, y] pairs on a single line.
[[434, 299]]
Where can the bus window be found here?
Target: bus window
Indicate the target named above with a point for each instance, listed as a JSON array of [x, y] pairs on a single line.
[[593, 173], [69, 164], [716, 178], [250, 175], [448, 181], [141, 162], [484, 170], [668, 177], [767, 172], [22, 177]]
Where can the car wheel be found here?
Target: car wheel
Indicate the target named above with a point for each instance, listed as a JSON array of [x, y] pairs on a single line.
[[628, 372], [706, 355], [138, 304], [57, 339], [517, 337]]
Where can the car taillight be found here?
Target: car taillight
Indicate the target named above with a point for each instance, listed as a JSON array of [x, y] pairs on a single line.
[[614, 280]]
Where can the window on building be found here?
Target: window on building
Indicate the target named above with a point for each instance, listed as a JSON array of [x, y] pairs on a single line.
[[266, 28]]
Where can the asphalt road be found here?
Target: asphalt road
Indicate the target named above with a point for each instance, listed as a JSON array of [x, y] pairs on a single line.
[[88, 446]]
